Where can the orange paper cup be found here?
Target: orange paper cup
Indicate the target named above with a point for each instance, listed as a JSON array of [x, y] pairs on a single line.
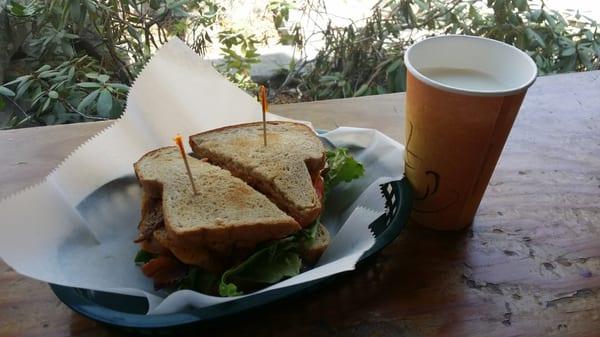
[[463, 94]]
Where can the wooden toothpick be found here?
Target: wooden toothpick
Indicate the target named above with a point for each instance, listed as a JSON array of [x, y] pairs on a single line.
[[178, 140], [262, 92]]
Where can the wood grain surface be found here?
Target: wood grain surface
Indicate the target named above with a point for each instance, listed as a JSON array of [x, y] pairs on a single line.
[[529, 266]]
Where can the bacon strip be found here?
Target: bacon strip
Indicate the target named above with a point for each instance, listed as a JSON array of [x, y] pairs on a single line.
[[151, 221]]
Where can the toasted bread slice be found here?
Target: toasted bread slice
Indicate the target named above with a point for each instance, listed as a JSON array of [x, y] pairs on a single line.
[[311, 253], [225, 210], [283, 170], [212, 256]]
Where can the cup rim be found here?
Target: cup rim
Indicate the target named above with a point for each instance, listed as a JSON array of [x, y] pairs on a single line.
[[452, 89]]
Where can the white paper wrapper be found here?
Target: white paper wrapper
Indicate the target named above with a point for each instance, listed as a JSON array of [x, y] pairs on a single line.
[[76, 228]]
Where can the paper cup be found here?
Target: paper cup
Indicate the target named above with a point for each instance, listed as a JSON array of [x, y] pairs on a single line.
[[463, 94]]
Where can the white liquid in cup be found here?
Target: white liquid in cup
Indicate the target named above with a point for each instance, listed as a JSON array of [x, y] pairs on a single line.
[[470, 65], [467, 79]]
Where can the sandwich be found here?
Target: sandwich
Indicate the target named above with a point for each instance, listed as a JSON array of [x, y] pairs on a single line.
[[255, 219]]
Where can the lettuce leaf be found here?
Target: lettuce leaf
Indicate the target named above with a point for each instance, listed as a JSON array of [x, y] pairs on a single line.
[[199, 280], [268, 265], [309, 233], [342, 167], [142, 257]]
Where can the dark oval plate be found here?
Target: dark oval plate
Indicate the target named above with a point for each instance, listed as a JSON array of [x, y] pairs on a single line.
[[128, 312]]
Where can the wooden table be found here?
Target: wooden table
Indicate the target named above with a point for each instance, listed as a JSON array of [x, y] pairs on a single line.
[[529, 266]]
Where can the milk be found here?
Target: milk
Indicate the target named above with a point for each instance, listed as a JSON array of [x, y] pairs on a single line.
[[466, 79]]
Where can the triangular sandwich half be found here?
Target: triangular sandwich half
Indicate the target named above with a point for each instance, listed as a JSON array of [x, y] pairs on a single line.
[[287, 170]]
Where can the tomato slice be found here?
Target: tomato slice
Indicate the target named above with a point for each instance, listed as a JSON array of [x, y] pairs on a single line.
[[319, 185], [164, 270]]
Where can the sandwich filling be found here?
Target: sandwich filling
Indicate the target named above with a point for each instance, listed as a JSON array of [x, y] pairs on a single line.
[[238, 260]]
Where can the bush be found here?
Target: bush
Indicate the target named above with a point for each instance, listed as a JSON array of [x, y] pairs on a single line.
[[73, 60], [73, 91], [369, 60]]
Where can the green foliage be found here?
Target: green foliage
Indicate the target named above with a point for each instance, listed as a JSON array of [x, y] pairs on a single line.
[[358, 61], [280, 9], [93, 50], [280, 14], [72, 91], [239, 54], [73, 60], [23, 10], [119, 34], [368, 60]]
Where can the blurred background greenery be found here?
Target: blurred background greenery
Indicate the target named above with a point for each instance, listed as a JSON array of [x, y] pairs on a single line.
[[65, 61]]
